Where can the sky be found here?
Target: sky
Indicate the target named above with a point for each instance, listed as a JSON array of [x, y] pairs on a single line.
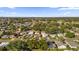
[[39, 11]]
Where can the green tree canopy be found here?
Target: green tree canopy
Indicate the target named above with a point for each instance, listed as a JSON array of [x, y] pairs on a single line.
[[70, 35]]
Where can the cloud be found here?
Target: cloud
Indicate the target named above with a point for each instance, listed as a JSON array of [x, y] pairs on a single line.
[[12, 7], [11, 14], [66, 13], [69, 8]]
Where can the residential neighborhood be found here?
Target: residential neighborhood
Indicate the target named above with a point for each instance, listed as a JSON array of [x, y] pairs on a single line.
[[39, 33]]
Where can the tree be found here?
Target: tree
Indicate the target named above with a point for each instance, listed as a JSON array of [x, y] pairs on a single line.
[[39, 26], [17, 45], [43, 44], [76, 25], [24, 28], [70, 35], [52, 30], [1, 33], [32, 44]]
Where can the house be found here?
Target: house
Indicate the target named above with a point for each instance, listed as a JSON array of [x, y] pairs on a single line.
[[36, 37], [60, 34], [27, 24], [37, 33], [72, 44], [30, 32], [47, 39], [23, 33], [4, 44], [12, 36], [60, 44], [52, 44], [8, 36], [5, 36], [52, 35], [44, 34]]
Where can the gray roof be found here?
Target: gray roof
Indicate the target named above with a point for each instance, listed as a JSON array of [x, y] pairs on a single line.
[[4, 44], [72, 43], [59, 43]]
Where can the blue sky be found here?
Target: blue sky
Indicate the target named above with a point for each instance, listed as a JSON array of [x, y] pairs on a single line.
[[39, 11]]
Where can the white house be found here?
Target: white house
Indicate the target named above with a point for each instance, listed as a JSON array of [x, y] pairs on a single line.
[[4, 44]]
